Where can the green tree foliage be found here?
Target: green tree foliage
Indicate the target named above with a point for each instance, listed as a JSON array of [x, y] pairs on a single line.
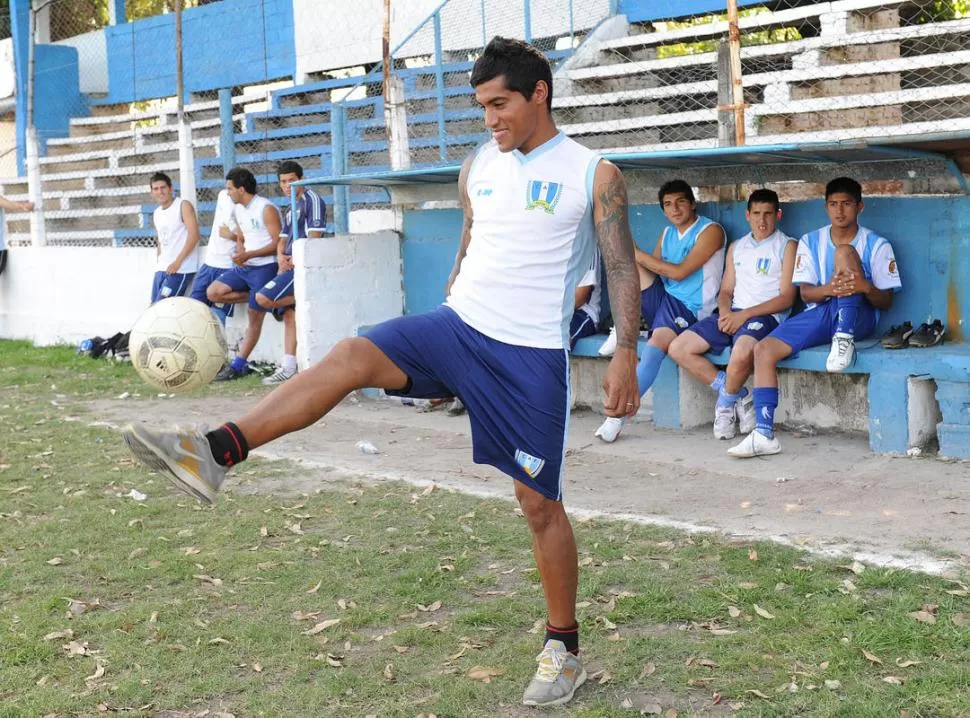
[[75, 17], [760, 37]]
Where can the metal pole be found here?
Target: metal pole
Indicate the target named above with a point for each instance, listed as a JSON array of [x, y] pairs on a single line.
[[484, 32], [227, 130], [737, 86], [38, 233], [338, 161], [179, 80], [527, 19], [186, 150], [387, 52], [439, 78], [572, 42]]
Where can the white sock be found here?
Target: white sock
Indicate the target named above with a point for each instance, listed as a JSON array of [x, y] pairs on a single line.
[[289, 363]]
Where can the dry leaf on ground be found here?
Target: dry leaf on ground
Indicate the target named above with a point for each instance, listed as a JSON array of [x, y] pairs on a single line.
[[322, 626], [762, 612], [484, 674]]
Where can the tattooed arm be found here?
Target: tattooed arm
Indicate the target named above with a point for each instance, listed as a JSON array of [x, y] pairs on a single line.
[[466, 227], [616, 246]]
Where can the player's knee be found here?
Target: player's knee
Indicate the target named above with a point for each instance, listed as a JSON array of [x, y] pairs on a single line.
[[264, 301], [538, 510], [213, 292], [679, 349], [766, 352], [742, 354]]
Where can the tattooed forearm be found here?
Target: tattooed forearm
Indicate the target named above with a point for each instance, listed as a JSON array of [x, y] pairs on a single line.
[[616, 247]]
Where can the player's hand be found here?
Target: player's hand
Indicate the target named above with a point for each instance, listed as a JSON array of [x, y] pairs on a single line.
[[620, 384], [730, 323], [285, 263], [226, 233], [240, 258], [173, 268], [26, 206], [850, 283]]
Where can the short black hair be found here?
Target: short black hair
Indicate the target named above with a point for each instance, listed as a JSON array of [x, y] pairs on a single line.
[[288, 167], [522, 65], [243, 178], [844, 185], [766, 196], [677, 186], [160, 177]]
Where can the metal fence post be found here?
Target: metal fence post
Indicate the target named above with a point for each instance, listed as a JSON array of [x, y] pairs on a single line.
[[484, 32], [227, 130], [338, 159], [527, 19], [439, 76]]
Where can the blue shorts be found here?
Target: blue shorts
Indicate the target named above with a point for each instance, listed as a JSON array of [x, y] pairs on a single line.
[[661, 309], [758, 327], [249, 278], [581, 325], [815, 327], [170, 285], [517, 397], [278, 287], [203, 278]]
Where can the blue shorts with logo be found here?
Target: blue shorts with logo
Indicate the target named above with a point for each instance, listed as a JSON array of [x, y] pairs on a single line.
[[249, 278], [277, 288], [170, 285], [581, 325], [662, 309], [816, 326], [203, 278], [758, 327], [517, 397]]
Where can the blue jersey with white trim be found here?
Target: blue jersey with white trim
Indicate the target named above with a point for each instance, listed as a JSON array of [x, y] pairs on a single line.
[[698, 291], [311, 216]]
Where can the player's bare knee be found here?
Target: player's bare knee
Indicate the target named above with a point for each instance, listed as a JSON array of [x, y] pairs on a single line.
[[264, 301], [213, 293], [539, 511], [765, 353]]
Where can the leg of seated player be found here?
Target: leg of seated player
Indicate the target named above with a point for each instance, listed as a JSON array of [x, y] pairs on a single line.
[[688, 351], [762, 442], [221, 293], [740, 367], [842, 353]]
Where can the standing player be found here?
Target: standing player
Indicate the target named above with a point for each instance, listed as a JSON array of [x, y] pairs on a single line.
[[178, 239], [846, 274], [533, 200], [756, 293], [259, 222], [679, 283], [218, 255], [277, 294]]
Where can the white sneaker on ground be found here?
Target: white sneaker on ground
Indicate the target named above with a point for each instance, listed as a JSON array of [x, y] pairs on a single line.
[[278, 377], [558, 676], [755, 444], [725, 424], [609, 346], [610, 429], [842, 353], [746, 416]]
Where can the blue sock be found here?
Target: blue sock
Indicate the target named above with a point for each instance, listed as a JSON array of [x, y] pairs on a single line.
[[719, 380], [238, 363], [765, 403], [648, 367], [848, 312], [726, 401]]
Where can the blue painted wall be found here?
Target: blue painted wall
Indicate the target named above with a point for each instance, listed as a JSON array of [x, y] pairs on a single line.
[[225, 44], [646, 10], [931, 237]]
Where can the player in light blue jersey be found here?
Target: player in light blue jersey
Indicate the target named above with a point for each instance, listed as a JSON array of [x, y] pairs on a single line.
[[679, 283], [535, 204], [846, 274]]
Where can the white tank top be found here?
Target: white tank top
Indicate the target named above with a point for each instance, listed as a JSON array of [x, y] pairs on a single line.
[[219, 251], [172, 236], [757, 270], [250, 219], [531, 240]]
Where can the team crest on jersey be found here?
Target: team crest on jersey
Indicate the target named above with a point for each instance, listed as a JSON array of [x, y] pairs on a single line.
[[763, 264], [892, 267], [543, 195], [484, 192], [531, 465]]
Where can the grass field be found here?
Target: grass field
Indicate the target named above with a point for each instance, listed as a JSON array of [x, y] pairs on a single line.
[[389, 600]]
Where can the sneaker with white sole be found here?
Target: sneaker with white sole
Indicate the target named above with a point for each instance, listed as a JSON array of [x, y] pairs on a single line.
[[609, 346], [610, 429], [558, 676], [456, 408], [747, 419], [278, 377], [842, 353], [725, 422], [755, 444], [182, 455]]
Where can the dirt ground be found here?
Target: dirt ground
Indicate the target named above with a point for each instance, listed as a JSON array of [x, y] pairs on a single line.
[[827, 493]]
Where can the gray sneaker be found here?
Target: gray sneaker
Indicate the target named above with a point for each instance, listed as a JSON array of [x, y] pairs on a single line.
[[559, 674], [183, 455], [278, 377]]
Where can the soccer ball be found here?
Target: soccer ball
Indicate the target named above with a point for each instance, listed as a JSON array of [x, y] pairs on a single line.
[[177, 345]]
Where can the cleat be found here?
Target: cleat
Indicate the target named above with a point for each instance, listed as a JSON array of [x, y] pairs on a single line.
[[183, 455], [755, 444], [725, 424], [610, 429], [898, 336], [227, 373], [928, 335], [842, 353], [746, 417], [278, 377], [558, 676]]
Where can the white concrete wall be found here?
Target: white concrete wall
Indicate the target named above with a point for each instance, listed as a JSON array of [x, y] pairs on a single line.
[[92, 55], [355, 27], [343, 283]]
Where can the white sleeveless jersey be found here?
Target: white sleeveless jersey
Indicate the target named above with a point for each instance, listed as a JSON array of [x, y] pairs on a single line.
[[757, 270], [250, 219], [219, 251], [172, 236], [531, 240]]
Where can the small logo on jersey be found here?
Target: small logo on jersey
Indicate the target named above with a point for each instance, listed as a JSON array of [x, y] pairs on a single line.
[[763, 264], [755, 326], [530, 464], [270, 285], [484, 192], [681, 322], [254, 222], [799, 261], [892, 266], [543, 195]]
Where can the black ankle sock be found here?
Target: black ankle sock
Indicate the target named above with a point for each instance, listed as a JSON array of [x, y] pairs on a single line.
[[569, 636], [228, 444]]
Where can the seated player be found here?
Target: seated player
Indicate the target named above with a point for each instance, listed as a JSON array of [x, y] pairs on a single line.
[[846, 274], [678, 282], [756, 294], [259, 222], [219, 252], [177, 250], [586, 315], [277, 294]]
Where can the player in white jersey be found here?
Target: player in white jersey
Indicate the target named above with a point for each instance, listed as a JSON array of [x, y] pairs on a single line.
[[259, 223], [177, 253], [756, 294], [679, 283], [846, 274], [219, 252], [588, 293], [535, 202]]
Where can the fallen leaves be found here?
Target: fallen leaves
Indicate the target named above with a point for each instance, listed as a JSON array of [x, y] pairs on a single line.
[[484, 674], [315, 588], [762, 612], [388, 672], [734, 611], [871, 657], [56, 561], [59, 634], [208, 579], [960, 619], [429, 608], [322, 626], [927, 614]]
